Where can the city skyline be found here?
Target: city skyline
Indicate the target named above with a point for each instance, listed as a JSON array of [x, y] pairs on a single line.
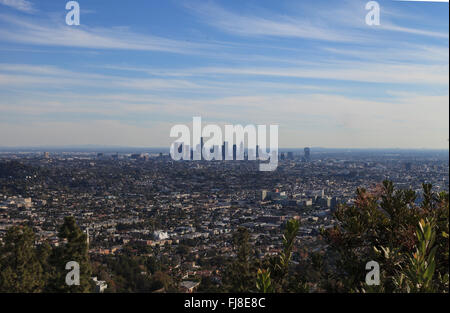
[[127, 74]]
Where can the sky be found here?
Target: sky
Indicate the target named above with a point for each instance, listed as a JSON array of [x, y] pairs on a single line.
[[133, 69]]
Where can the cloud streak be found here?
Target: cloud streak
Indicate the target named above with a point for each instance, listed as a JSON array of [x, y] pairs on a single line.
[[21, 5], [333, 25], [274, 26], [46, 33]]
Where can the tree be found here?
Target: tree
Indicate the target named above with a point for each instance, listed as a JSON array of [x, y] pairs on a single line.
[[76, 249], [19, 265], [44, 251], [382, 226], [292, 227], [263, 281], [417, 275], [240, 275], [279, 266]]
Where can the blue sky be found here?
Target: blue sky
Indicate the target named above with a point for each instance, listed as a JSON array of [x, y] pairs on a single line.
[[134, 69]]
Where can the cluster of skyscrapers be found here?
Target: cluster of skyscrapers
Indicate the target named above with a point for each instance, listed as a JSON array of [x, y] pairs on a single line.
[[237, 153]]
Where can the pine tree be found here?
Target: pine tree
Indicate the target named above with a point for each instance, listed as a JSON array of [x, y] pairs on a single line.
[[240, 276], [76, 249], [20, 268], [44, 251]]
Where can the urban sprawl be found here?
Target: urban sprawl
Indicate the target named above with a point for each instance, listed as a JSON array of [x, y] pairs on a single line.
[[153, 205]]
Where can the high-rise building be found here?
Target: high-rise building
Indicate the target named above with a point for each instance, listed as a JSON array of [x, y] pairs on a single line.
[[201, 148], [241, 151], [223, 151], [307, 154]]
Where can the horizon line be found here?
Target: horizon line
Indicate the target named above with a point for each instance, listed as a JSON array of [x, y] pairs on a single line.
[[168, 148]]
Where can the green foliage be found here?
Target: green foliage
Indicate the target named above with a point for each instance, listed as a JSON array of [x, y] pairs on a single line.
[[128, 273], [263, 281], [20, 268], [240, 275], [27, 268], [76, 249], [417, 276], [280, 265], [290, 233], [382, 226]]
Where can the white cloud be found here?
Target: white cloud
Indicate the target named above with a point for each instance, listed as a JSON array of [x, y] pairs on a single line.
[[50, 33], [351, 16], [414, 31], [32, 76], [277, 26], [342, 24], [21, 5], [407, 53], [346, 71], [221, 80]]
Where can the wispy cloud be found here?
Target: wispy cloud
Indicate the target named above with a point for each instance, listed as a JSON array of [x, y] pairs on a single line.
[[50, 33], [350, 16], [343, 24], [221, 79], [414, 31], [274, 25], [362, 72], [21, 5], [406, 53], [40, 76], [340, 71]]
